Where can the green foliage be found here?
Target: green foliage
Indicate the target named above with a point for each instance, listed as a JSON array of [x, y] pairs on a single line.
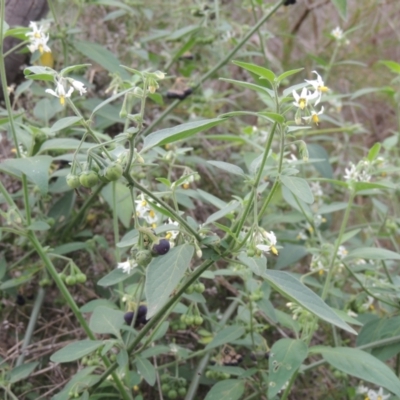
[[168, 194]]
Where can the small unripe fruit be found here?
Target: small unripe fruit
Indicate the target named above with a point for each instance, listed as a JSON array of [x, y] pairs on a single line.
[[182, 391], [172, 394], [199, 287], [165, 388], [198, 320], [162, 247], [73, 181], [143, 257], [81, 278], [88, 179], [113, 172], [70, 280]]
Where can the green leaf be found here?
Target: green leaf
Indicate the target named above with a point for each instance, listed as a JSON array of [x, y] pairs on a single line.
[[70, 247], [229, 389], [123, 205], [231, 168], [102, 56], [378, 329], [178, 132], [40, 73], [76, 350], [226, 335], [341, 6], [257, 265], [221, 213], [163, 275], [39, 226], [64, 123], [287, 74], [106, 320], [64, 144], [252, 86], [260, 71], [147, 370], [290, 287], [372, 253], [362, 365], [392, 65], [183, 32], [91, 305], [35, 168], [273, 116], [360, 186], [324, 167], [22, 371], [299, 187], [286, 357]]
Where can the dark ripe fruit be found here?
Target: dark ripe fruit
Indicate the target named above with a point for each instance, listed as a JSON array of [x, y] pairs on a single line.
[[140, 319], [128, 317], [162, 247], [20, 300], [289, 2]]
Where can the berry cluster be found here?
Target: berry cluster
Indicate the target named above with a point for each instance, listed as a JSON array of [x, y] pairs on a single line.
[[140, 319], [173, 387]]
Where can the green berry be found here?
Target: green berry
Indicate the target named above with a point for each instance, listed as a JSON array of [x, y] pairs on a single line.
[[165, 388], [44, 282], [165, 378], [210, 374], [182, 326], [172, 394], [62, 276], [70, 280], [73, 181], [189, 320], [198, 320], [143, 257], [88, 179], [113, 172], [81, 278], [199, 287], [182, 382], [190, 289], [182, 391]]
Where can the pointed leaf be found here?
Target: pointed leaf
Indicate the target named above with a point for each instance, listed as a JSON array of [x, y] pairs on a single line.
[[341, 6], [372, 253], [257, 265], [76, 350], [362, 365], [260, 71], [147, 370], [22, 371], [231, 168], [64, 123], [287, 74], [290, 287], [286, 357], [163, 275], [178, 132]]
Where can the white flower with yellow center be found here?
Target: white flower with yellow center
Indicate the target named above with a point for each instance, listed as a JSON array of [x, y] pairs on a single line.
[[142, 206], [79, 86], [127, 266], [38, 38], [267, 241], [314, 116], [60, 92], [337, 33], [318, 85], [302, 100]]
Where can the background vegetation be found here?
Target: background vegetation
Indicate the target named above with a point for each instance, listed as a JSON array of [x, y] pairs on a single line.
[[186, 132]]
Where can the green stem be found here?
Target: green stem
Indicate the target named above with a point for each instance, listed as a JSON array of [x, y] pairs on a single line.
[[331, 267], [212, 71], [31, 326]]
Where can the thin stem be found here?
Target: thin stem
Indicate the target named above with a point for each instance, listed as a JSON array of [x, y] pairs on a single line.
[[31, 326]]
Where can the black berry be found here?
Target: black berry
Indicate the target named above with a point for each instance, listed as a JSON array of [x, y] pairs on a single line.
[[162, 247]]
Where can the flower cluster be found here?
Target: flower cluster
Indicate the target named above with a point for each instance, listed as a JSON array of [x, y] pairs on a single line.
[[339, 36], [61, 89], [304, 101], [172, 234], [38, 38], [143, 210]]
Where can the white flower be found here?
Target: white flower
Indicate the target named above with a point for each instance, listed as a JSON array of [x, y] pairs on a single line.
[[142, 206], [151, 218], [304, 98], [314, 115], [337, 33], [265, 241], [38, 39], [171, 235], [60, 92], [373, 395], [79, 86], [127, 266], [342, 252], [318, 85], [357, 173], [368, 305]]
